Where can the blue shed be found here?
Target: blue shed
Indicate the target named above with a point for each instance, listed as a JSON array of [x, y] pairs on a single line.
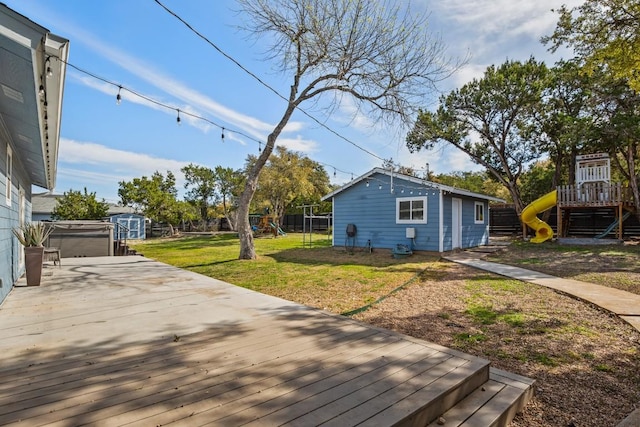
[[128, 226], [388, 209]]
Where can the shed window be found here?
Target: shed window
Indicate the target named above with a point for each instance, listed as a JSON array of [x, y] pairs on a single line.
[[479, 215], [411, 210], [9, 173]]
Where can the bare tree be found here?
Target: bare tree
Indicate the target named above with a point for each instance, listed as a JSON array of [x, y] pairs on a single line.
[[377, 52]]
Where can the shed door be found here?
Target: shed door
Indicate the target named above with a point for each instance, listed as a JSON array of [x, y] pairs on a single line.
[[456, 223]]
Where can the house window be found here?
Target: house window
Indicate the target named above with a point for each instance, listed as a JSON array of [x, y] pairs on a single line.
[[479, 213], [411, 210], [9, 173]]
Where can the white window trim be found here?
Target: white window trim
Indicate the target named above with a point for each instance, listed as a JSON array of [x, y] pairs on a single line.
[[411, 221], [475, 213], [9, 173]]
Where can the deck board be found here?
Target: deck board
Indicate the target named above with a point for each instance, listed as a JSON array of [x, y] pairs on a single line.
[[90, 346]]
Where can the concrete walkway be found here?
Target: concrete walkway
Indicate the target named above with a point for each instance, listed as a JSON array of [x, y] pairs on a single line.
[[624, 304]]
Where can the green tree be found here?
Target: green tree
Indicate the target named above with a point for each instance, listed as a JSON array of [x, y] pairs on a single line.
[[155, 197], [537, 180], [486, 118], [479, 182], [565, 127], [376, 53], [288, 176], [618, 129], [602, 32], [76, 205], [229, 183], [201, 183]]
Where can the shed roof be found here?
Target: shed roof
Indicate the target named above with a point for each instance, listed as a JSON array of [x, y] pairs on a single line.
[[44, 203], [415, 180]]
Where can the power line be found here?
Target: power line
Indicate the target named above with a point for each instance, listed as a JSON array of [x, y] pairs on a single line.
[[156, 102], [253, 75], [223, 129]]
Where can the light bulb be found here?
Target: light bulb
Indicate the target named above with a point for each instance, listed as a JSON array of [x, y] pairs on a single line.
[[178, 118], [41, 90], [118, 97], [367, 183]]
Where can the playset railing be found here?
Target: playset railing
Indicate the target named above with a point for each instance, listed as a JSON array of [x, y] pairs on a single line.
[[594, 194]]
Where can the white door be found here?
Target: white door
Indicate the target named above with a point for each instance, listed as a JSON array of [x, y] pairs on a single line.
[[456, 223]]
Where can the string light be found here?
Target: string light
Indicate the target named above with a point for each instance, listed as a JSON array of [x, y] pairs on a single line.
[[49, 70], [41, 90], [178, 111], [367, 184]]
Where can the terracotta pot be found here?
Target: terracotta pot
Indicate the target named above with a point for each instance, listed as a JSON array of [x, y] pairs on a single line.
[[33, 257]]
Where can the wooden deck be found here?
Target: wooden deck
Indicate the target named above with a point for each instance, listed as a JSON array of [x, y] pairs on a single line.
[[128, 341]]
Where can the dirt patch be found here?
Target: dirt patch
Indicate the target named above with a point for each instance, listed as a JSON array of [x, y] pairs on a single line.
[[615, 266], [586, 362]]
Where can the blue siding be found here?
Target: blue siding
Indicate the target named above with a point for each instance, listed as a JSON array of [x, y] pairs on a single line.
[[474, 234], [373, 211], [10, 270], [447, 235]]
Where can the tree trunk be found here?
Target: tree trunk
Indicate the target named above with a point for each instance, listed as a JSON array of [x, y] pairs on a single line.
[[247, 249], [227, 214], [633, 178]]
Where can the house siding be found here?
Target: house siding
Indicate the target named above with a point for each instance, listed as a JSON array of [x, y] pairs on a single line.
[[373, 211], [472, 234], [10, 270]]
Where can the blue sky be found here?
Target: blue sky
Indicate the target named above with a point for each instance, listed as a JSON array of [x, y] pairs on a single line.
[[138, 45]]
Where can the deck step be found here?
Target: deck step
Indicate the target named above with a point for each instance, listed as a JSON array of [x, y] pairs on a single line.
[[430, 399], [495, 403]]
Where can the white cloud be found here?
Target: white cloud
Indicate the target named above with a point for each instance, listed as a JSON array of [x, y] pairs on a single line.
[[505, 18], [492, 31], [299, 143], [110, 165]]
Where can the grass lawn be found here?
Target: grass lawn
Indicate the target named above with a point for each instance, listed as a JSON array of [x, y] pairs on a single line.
[[585, 361], [615, 266], [320, 276]]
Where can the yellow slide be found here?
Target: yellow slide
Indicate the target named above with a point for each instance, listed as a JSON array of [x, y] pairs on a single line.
[[529, 216]]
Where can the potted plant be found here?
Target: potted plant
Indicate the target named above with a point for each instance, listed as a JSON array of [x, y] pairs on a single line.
[[32, 236]]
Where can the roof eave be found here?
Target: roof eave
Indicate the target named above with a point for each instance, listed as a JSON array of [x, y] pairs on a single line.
[[415, 180]]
